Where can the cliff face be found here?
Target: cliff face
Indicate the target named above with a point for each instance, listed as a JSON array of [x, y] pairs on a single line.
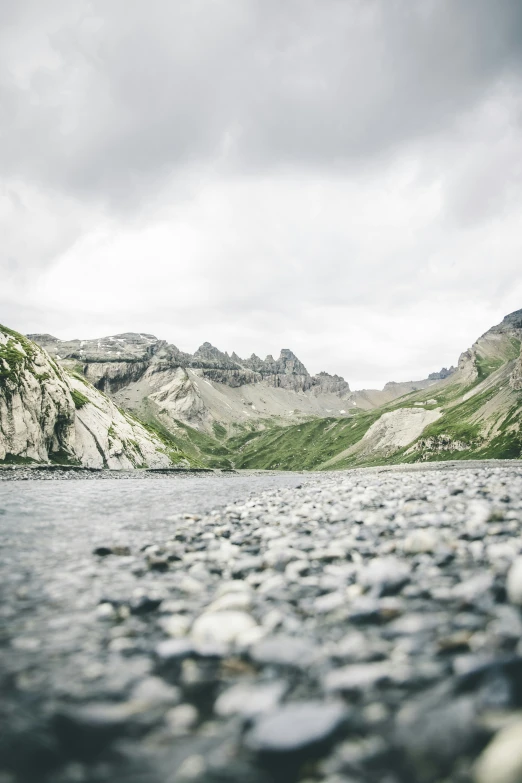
[[497, 346], [113, 362], [516, 376], [37, 413], [48, 415]]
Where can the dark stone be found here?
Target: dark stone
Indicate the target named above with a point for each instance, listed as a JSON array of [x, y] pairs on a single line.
[[84, 732], [144, 604], [102, 551], [499, 682], [158, 564], [297, 732], [434, 733]]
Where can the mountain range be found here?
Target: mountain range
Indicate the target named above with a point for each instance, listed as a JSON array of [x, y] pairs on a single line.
[[132, 400]]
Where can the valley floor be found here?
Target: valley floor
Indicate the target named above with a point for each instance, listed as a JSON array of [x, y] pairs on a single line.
[[360, 625]]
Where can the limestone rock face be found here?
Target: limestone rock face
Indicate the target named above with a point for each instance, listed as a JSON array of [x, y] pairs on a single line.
[[111, 376], [324, 382], [106, 437], [49, 415], [498, 345], [516, 376], [396, 429], [37, 413], [510, 323], [180, 396]]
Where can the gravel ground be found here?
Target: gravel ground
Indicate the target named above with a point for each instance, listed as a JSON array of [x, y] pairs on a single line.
[[348, 627]]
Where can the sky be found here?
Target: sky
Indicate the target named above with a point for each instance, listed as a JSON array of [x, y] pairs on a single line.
[[338, 177]]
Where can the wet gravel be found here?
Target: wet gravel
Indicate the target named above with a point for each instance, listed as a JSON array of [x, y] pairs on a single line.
[[346, 627]]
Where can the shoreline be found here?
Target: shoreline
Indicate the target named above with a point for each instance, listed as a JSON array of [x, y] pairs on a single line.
[[46, 472]]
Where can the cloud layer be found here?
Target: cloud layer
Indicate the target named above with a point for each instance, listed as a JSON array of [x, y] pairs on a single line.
[[342, 178]]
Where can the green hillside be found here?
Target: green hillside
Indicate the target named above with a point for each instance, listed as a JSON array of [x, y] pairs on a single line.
[[479, 416]]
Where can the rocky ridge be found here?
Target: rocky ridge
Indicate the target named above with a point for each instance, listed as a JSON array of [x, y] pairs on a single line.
[[131, 355], [158, 382]]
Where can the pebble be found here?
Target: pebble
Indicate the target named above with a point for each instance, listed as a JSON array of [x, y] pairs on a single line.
[[181, 719], [282, 650], [221, 629], [366, 628], [386, 575], [296, 726], [421, 541], [176, 625], [250, 699], [357, 677], [154, 690], [514, 582], [501, 761], [240, 600]]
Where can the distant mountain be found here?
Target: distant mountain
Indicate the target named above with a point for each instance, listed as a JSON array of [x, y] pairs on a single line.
[[132, 400], [208, 389]]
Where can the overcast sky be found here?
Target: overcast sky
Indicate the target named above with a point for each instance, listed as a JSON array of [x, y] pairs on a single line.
[[338, 177]]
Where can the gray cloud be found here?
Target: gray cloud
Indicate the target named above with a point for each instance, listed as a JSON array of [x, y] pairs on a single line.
[[341, 177], [112, 97]]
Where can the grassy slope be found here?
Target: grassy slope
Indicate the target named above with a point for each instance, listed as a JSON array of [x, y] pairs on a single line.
[[483, 416], [199, 449], [300, 446]]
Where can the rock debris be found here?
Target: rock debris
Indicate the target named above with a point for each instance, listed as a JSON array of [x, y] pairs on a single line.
[[364, 626]]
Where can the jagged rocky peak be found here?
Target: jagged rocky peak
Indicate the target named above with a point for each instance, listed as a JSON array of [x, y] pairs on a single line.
[[43, 338], [324, 374], [445, 372], [207, 355], [286, 364], [255, 363], [510, 323], [331, 383], [290, 364], [130, 346], [130, 338]]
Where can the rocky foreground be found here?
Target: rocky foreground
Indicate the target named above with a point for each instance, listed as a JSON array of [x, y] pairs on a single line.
[[360, 627]]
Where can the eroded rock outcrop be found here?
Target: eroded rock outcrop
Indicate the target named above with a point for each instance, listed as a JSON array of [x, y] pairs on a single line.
[[37, 412], [111, 363], [516, 376], [49, 415]]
